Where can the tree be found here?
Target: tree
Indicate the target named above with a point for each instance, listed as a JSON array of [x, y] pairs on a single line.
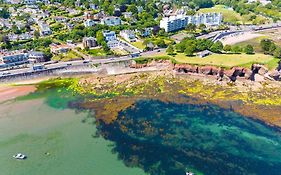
[[170, 50], [227, 48], [133, 9], [36, 34], [277, 52], [217, 47], [236, 49], [160, 43], [249, 49], [190, 27], [105, 47], [266, 44], [4, 13], [100, 37], [202, 27], [189, 50]]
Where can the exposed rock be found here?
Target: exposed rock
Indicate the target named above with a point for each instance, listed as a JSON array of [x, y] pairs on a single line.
[[275, 75], [185, 68], [258, 78], [208, 70], [259, 69], [279, 66], [137, 66]]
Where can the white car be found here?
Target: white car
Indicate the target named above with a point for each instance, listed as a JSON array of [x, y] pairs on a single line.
[[20, 156]]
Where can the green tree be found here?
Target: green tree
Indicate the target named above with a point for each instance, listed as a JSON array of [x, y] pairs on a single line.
[[160, 43], [236, 49], [266, 44], [189, 50], [36, 34], [190, 27], [217, 47], [132, 8], [100, 37], [4, 13], [170, 50], [227, 48], [277, 52], [249, 49]]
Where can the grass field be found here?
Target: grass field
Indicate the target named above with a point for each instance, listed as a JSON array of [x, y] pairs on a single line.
[[138, 44], [66, 57], [228, 60], [254, 42], [95, 52], [231, 16]]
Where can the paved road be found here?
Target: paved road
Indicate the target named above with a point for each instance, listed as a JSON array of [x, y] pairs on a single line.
[[78, 63], [252, 28]]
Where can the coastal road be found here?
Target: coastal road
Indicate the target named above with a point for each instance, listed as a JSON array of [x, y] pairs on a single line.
[[78, 63]]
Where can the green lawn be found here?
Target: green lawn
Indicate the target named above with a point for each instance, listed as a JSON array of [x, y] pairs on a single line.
[[138, 44], [66, 56], [95, 52], [254, 42], [228, 60], [228, 14]]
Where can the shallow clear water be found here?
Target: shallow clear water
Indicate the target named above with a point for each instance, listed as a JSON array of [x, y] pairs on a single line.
[[150, 137], [57, 141]]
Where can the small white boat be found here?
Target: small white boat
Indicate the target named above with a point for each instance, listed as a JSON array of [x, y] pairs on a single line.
[[20, 156], [189, 173]]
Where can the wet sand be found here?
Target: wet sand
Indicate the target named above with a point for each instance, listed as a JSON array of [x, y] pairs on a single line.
[[8, 92]]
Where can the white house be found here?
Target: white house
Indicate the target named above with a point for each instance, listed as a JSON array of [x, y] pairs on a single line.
[[128, 35], [109, 35], [44, 29], [111, 21], [89, 23], [111, 39], [128, 15], [113, 44]]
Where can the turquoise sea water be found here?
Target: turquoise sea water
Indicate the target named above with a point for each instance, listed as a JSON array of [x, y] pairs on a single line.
[[170, 138], [57, 140], [151, 137]]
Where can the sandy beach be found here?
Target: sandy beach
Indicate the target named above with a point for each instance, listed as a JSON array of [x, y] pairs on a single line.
[[11, 92]]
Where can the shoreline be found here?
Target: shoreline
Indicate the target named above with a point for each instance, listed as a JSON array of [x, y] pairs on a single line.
[[10, 92], [257, 100]]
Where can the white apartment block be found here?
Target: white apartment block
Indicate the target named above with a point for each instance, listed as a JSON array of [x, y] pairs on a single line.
[[263, 2], [177, 22], [128, 35]]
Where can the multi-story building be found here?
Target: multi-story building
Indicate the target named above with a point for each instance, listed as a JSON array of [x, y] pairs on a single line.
[[109, 35], [58, 49], [144, 32], [14, 58], [111, 21], [111, 39], [89, 23], [128, 35], [89, 42], [44, 29], [178, 22], [30, 2], [36, 57]]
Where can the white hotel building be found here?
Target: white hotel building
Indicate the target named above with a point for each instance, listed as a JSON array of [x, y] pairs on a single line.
[[177, 22]]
